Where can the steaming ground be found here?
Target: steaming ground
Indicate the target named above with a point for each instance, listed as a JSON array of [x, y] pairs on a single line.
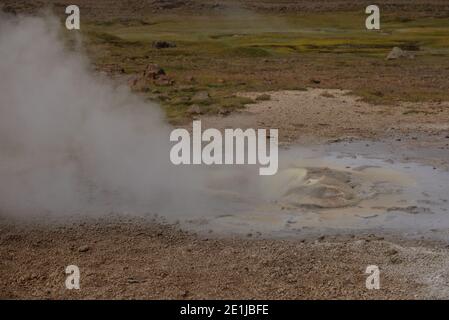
[[75, 145], [339, 189]]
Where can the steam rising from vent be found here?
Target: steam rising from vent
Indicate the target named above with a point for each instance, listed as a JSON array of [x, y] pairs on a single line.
[[71, 142]]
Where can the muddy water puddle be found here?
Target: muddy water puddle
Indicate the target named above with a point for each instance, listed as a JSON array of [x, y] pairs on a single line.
[[342, 187]]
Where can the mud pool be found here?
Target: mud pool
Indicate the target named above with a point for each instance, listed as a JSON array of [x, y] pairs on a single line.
[[335, 188]]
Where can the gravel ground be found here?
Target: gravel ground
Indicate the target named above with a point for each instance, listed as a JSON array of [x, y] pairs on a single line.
[[135, 258], [329, 115]]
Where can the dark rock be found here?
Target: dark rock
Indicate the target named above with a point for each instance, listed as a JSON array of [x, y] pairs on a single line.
[[163, 44]]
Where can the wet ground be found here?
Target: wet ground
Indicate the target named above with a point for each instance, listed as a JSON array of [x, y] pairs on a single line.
[[343, 187]]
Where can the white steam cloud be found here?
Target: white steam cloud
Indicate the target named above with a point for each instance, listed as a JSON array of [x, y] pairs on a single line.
[[71, 142]]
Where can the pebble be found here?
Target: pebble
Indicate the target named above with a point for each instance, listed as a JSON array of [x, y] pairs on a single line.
[[83, 249]]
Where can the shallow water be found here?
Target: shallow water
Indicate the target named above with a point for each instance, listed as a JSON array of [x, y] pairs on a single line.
[[336, 188]]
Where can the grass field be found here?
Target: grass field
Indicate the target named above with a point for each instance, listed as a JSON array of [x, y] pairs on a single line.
[[228, 53]]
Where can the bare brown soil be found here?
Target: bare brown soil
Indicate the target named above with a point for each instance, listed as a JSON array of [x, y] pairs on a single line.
[[131, 258]]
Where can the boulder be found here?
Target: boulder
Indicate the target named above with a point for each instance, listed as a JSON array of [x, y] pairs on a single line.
[[163, 44], [398, 53], [83, 249]]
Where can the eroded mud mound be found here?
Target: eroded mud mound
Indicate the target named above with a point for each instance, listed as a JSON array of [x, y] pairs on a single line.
[[317, 188]]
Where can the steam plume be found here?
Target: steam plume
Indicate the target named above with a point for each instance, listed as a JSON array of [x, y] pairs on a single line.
[[71, 142]]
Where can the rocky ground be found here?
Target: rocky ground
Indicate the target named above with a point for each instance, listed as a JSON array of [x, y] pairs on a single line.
[[329, 115], [134, 258], [143, 258]]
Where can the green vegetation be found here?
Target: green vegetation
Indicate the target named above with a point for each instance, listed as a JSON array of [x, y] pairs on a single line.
[[225, 55]]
